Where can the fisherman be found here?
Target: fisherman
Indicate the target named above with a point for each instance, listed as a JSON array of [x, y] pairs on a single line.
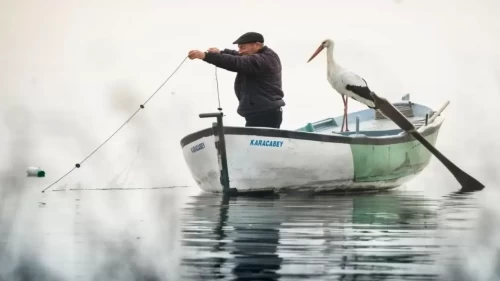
[[258, 81]]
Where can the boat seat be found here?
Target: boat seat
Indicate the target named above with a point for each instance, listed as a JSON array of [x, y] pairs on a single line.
[[319, 126], [405, 108], [309, 128]]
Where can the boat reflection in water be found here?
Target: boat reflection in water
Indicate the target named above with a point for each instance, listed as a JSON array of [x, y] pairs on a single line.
[[385, 236]]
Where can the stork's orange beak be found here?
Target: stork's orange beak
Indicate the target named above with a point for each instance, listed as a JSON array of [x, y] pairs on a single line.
[[320, 48]]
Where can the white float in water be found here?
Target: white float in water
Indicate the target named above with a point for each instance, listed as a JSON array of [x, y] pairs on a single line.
[[35, 172]]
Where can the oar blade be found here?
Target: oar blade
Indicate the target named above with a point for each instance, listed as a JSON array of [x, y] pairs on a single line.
[[470, 184], [467, 182]]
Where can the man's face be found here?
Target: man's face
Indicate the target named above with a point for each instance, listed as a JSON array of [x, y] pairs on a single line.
[[248, 48]]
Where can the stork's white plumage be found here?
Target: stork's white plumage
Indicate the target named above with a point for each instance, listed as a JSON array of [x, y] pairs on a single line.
[[345, 82]]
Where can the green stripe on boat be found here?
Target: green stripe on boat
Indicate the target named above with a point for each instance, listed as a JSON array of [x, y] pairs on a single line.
[[387, 162]]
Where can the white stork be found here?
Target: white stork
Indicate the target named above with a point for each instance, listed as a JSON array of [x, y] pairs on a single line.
[[345, 82]]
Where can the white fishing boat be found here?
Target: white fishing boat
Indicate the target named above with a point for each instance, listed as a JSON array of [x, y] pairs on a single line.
[[378, 155]]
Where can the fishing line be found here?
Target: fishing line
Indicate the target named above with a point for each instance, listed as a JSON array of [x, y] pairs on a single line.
[[77, 165], [125, 188], [217, 83]]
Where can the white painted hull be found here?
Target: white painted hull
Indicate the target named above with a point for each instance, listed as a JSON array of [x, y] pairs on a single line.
[[293, 164], [283, 164]]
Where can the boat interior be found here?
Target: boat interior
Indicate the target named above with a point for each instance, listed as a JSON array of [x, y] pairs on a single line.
[[370, 122]]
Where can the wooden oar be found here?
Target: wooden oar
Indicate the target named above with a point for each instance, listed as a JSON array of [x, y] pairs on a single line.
[[468, 182], [436, 114]]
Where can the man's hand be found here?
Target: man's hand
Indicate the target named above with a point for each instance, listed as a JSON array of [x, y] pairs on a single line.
[[213, 50], [196, 54]]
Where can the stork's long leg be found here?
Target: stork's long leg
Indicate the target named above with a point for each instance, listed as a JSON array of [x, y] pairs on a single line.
[[345, 113], [344, 117]]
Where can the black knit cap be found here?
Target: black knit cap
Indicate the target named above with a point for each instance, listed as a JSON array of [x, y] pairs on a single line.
[[250, 37]]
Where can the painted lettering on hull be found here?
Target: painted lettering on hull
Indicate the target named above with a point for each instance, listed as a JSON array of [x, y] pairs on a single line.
[[269, 143], [198, 147]]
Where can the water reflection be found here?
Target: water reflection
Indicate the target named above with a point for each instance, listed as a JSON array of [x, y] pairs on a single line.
[[387, 236], [222, 225]]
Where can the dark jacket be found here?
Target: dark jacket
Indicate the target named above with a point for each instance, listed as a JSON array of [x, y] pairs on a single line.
[[258, 82]]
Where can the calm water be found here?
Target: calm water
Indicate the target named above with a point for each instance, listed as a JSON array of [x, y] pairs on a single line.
[[182, 234], [389, 236]]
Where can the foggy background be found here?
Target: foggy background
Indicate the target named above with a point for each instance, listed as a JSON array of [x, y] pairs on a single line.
[[71, 72]]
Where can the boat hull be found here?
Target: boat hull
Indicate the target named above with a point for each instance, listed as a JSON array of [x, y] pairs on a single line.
[[261, 159]]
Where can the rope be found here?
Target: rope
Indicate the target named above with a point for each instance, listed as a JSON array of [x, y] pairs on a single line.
[[78, 165], [217, 83], [122, 188]]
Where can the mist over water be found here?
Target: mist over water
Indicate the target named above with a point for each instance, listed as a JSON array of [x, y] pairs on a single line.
[[72, 72]]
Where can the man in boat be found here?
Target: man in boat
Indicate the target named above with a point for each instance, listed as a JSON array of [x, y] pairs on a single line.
[[258, 81]]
